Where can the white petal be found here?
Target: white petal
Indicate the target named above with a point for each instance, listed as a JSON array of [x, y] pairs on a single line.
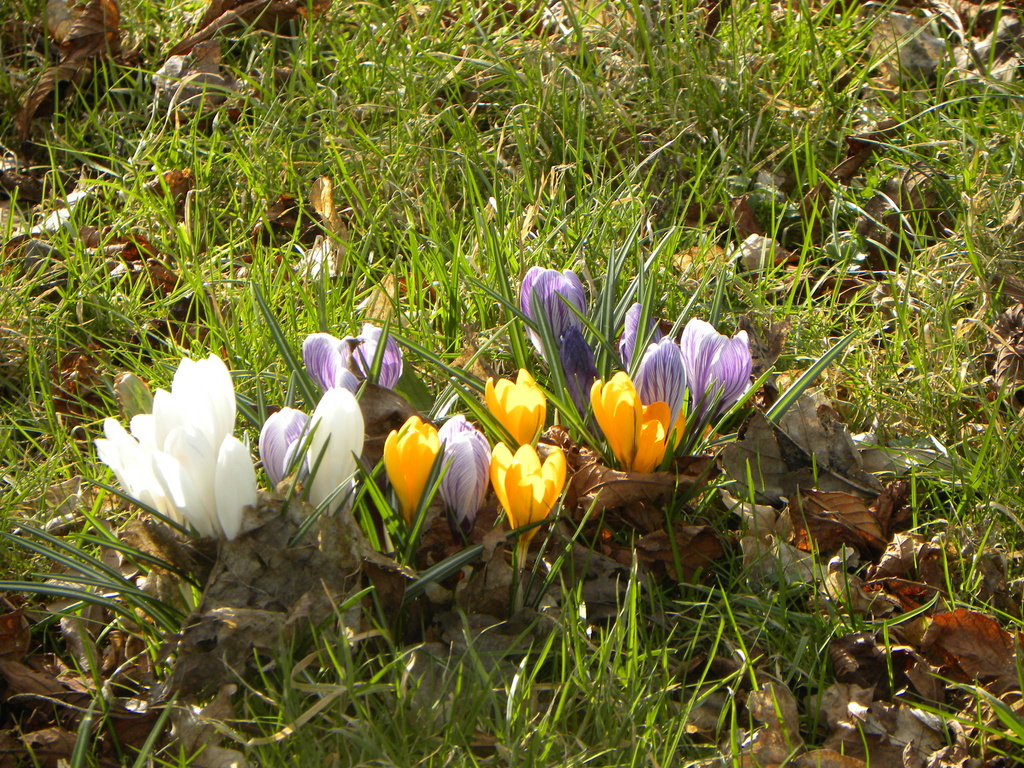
[[235, 485], [168, 415], [337, 425], [197, 459], [143, 426], [182, 493], [205, 396]]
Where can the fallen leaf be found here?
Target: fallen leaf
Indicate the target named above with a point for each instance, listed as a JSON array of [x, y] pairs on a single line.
[[261, 14], [595, 487], [809, 449], [383, 410], [14, 635], [1007, 343], [50, 747], [256, 583], [910, 52], [973, 646], [88, 30], [774, 706], [681, 553], [823, 520]]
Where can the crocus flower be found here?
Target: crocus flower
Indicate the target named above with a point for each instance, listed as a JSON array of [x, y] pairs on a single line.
[[551, 293], [526, 488], [334, 362], [578, 367], [409, 455], [636, 433], [661, 376], [519, 407], [327, 360], [717, 368], [282, 435], [182, 459], [364, 350], [336, 428], [631, 334], [467, 456]]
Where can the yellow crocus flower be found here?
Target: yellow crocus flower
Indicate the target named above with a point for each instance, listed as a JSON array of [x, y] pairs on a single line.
[[520, 407], [409, 455], [526, 488], [637, 434]]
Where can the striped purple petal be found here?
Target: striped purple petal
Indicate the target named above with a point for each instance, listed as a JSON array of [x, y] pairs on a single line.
[[631, 332], [552, 294], [363, 349], [468, 460], [717, 368], [280, 438], [327, 361], [661, 376]]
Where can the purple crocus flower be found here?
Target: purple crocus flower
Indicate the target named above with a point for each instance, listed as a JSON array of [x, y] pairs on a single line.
[[550, 293], [578, 366], [717, 368], [327, 359], [467, 456], [282, 435], [631, 334], [661, 376], [334, 362], [363, 349]]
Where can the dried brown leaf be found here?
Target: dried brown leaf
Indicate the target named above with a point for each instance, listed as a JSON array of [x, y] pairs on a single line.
[[809, 449], [262, 14], [974, 646], [823, 520], [681, 553], [1007, 343], [596, 487], [256, 584], [50, 747], [14, 635], [88, 30]]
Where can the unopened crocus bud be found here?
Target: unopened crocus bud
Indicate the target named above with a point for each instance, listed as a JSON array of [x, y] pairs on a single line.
[[327, 360], [520, 407], [467, 458], [527, 489], [336, 432], [409, 455], [552, 294], [717, 368], [631, 334], [282, 435], [661, 376], [132, 395], [577, 360]]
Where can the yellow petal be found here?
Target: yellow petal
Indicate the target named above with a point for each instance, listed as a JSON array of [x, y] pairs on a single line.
[[651, 446], [501, 459], [553, 472]]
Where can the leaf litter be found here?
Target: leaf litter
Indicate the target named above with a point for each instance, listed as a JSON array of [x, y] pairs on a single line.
[[820, 503]]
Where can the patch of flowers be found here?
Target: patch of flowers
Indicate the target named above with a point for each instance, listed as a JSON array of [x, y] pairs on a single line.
[[183, 460]]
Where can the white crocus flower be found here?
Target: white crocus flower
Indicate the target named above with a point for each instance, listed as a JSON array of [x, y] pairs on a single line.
[[182, 459], [337, 432]]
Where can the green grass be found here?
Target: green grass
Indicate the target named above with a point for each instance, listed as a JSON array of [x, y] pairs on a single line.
[[464, 146]]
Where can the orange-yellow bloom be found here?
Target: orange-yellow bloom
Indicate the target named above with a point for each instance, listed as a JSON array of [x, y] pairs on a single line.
[[637, 434], [526, 489], [409, 455], [520, 407]]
